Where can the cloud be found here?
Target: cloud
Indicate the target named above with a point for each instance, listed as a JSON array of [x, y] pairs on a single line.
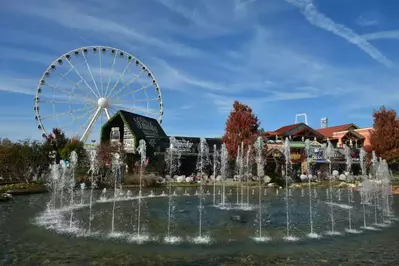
[[366, 22], [392, 34], [18, 85], [320, 20], [73, 17]]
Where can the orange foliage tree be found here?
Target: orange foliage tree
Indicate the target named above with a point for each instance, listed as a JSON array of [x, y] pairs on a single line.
[[241, 126], [384, 137]]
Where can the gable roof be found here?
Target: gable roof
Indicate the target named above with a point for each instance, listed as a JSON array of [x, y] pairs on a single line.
[[142, 127], [328, 132], [285, 130]]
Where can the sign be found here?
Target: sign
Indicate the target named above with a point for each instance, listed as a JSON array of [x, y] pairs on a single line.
[[296, 156], [128, 140], [183, 145], [149, 130]]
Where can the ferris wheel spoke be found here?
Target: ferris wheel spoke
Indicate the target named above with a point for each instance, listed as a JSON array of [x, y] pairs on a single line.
[[78, 118], [138, 100], [67, 92], [58, 102], [89, 128], [91, 73], [110, 75], [135, 77], [101, 72], [107, 114], [65, 113], [119, 78], [137, 90], [75, 84], [85, 82]]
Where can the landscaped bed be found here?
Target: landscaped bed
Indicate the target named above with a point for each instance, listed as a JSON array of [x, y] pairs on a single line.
[[22, 189]]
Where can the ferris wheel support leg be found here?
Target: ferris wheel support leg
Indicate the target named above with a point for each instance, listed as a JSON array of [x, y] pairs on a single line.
[[87, 131], [107, 114]]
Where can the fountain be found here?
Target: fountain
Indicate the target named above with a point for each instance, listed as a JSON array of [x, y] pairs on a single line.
[[287, 155], [239, 169], [172, 158], [215, 168], [74, 161], [93, 169], [116, 169], [311, 234], [260, 162], [329, 155], [348, 158], [71, 219], [142, 150], [248, 170], [202, 162], [224, 163]]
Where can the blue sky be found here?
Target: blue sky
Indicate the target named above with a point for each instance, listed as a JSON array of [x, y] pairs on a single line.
[[327, 58]]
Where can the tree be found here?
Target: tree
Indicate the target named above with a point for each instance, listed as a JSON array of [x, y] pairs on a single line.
[[241, 126], [384, 137], [73, 145], [55, 141]]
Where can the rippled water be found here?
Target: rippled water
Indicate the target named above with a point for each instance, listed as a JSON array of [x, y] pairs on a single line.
[[25, 242]]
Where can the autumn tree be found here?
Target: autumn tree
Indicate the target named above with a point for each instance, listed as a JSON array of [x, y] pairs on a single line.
[[241, 126], [384, 137]]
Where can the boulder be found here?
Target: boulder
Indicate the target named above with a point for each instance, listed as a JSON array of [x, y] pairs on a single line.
[[335, 173], [342, 177], [219, 178], [267, 179]]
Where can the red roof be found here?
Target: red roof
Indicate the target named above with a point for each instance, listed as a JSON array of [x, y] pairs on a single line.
[[328, 132], [283, 130]]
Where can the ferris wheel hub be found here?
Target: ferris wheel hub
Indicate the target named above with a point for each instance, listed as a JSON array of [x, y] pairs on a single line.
[[103, 102]]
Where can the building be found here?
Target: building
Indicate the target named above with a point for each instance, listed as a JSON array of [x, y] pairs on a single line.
[[127, 129]]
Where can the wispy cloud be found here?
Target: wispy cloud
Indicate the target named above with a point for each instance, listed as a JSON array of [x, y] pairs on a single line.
[[391, 34], [78, 18], [320, 20]]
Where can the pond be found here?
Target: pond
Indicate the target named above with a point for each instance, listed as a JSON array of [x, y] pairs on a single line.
[[31, 234]]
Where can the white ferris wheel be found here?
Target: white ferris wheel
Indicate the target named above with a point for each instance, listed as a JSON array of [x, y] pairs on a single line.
[[85, 87]]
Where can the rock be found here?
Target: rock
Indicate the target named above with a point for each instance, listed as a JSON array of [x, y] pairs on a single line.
[[270, 185], [180, 179], [189, 179], [303, 177], [5, 197], [219, 178], [342, 177], [343, 184], [267, 179], [335, 173]]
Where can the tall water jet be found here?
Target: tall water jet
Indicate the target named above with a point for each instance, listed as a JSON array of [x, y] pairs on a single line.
[[54, 174], [116, 170], [329, 155], [239, 167], [224, 163], [73, 158], [260, 164], [215, 168], [348, 159], [202, 162], [61, 182], [172, 158], [93, 169], [248, 170], [142, 150], [311, 234], [287, 155]]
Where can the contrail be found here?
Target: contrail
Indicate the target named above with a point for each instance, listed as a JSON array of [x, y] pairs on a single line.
[[318, 19], [390, 34]]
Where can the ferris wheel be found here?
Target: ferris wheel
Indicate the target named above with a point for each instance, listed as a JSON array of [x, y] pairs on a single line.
[[85, 87]]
